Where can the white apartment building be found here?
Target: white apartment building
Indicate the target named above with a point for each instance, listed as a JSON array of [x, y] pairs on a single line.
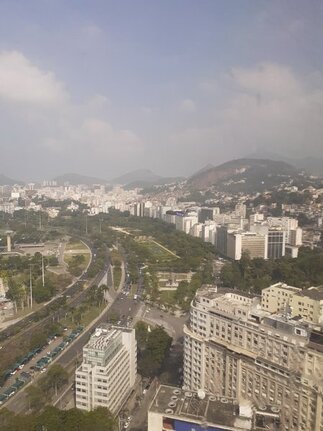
[[108, 371], [234, 349], [253, 243], [293, 232], [186, 222]]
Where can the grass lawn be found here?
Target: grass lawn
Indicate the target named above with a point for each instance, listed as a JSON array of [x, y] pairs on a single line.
[[115, 256], [91, 314], [116, 276], [158, 252], [168, 297], [88, 316], [25, 311], [69, 256], [77, 246]]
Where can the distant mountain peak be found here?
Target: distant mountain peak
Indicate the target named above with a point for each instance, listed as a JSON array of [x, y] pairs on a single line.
[[204, 169], [137, 175], [6, 181], [257, 173], [75, 179]]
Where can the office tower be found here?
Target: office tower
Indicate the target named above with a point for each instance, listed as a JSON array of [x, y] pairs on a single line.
[[108, 371], [251, 242], [205, 214], [222, 239], [276, 242], [240, 210]]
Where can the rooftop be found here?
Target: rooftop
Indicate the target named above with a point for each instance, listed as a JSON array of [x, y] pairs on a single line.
[[315, 293], [199, 408]]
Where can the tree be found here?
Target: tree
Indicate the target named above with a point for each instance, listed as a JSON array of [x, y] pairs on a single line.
[[36, 398], [141, 334], [16, 292], [181, 291], [56, 378], [154, 354]]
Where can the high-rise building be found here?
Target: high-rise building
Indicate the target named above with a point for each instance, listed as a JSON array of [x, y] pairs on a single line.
[[235, 349], [222, 239], [240, 210], [276, 243], [205, 214], [251, 242], [108, 371]]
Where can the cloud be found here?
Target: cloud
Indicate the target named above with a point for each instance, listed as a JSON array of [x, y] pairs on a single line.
[[107, 139], [267, 80], [22, 81], [266, 106], [62, 135], [187, 105]]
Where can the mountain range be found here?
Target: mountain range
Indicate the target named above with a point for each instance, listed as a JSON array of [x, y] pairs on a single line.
[[6, 181], [242, 175], [74, 179], [258, 168], [311, 165], [137, 178]]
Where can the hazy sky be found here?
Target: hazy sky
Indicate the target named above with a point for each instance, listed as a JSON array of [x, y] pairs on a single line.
[[102, 87]]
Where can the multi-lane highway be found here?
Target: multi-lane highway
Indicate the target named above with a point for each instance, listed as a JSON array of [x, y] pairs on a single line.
[[122, 310]]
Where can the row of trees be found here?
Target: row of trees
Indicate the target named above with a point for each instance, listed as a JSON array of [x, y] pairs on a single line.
[[256, 274], [41, 393], [53, 419]]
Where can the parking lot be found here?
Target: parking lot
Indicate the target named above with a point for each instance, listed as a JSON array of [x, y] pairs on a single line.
[[35, 362]]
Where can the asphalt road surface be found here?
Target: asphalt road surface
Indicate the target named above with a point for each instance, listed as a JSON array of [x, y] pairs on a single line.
[[123, 310]]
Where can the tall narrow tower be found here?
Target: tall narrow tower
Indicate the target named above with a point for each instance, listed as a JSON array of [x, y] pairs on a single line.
[[9, 232]]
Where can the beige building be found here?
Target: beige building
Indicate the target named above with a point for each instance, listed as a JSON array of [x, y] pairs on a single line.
[[308, 304], [276, 297], [108, 371], [235, 349], [251, 242]]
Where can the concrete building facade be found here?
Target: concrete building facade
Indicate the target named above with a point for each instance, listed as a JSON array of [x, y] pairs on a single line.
[[277, 297], [108, 371], [234, 349]]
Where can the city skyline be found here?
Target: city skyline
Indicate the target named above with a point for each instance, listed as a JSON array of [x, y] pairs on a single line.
[[103, 88]]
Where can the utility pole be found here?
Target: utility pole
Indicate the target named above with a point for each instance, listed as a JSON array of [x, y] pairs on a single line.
[[40, 224], [100, 221], [86, 224], [43, 270], [30, 288]]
